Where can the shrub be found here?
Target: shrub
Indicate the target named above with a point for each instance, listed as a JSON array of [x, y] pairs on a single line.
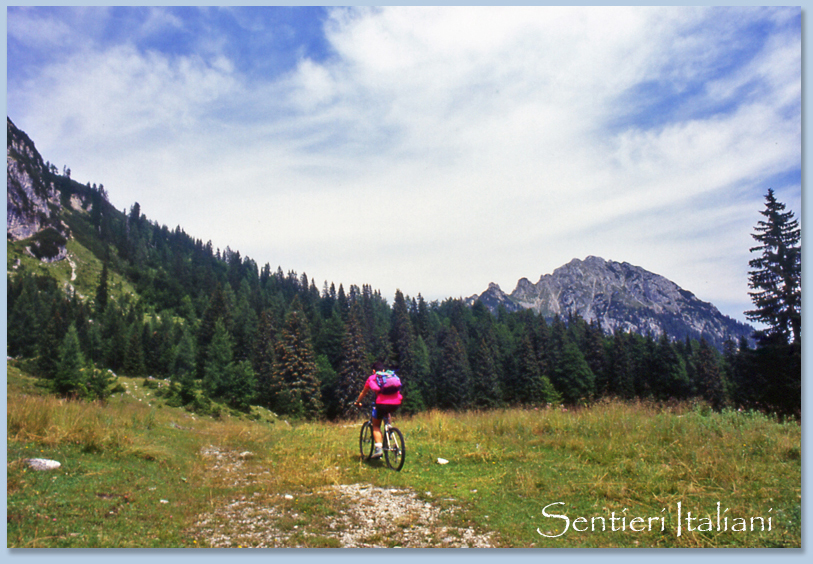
[[47, 244]]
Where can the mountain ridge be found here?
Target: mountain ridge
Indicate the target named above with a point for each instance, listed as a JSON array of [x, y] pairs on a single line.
[[617, 296]]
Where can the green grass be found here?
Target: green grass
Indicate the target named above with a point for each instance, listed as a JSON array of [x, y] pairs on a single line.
[[120, 459], [87, 272], [613, 457]]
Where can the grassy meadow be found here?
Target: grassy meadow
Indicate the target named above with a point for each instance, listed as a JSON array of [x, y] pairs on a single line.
[[133, 473]]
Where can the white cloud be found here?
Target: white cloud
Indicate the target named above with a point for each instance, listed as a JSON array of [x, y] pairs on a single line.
[[111, 100], [159, 20], [36, 31], [440, 149]]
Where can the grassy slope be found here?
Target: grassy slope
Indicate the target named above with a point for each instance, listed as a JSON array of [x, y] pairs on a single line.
[[86, 262], [121, 459]]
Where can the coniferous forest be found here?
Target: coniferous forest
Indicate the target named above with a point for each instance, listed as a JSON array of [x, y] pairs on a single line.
[[223, 328]]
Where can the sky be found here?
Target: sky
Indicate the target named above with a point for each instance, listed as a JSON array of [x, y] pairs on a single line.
[[429, 149]]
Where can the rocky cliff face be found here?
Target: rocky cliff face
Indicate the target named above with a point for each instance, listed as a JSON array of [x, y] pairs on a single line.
[[32, 200], [618, 296]]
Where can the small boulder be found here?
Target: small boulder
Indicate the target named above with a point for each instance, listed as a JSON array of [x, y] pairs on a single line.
[[43, 464]]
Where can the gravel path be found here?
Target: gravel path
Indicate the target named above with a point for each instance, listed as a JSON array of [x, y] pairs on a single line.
[[347, 516]]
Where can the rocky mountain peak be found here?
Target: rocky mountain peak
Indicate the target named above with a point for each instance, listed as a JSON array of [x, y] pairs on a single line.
[[32, 200], [618, 296]]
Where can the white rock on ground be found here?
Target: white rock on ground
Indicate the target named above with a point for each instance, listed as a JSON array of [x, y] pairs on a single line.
[[43, 464]]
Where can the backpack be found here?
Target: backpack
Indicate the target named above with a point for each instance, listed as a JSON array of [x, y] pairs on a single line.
[[388, 382]]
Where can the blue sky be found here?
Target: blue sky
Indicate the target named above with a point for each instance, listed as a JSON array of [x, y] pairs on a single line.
[[429, 149]]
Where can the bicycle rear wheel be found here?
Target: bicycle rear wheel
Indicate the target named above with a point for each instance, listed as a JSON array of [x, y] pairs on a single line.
[[366, 440], [395, 452]]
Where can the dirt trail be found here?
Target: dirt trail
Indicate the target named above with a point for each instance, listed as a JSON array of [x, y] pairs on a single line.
[[347, 516]]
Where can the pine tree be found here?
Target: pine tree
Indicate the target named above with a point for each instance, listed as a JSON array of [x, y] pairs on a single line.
[[114, 337], [354, 367], [218, 362], [98, 383], [776, 278], [402, 336], [24, 316], [239, 385], [70, 373], [245, 324], [571, 376], [453, 374], [668, 372], [526, 385], [49, 344], [776, 365], [569, 372], [328, 379], [596, 355], [265, 359], [485, 381], [219, 310], [102, 290], [184, 367], [297, 389], [134, 356], [709, 383], [330, 337], [621, 381], [423, 370]]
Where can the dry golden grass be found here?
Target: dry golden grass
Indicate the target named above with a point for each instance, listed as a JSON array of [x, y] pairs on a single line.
[[52, 421]]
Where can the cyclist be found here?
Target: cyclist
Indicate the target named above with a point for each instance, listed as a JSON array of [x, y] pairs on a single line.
[[384, 405]]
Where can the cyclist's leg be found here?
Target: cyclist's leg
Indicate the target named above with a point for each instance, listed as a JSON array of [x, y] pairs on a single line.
[[377, 436]]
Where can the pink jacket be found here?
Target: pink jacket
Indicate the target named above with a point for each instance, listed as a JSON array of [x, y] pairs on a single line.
[[381, 399]]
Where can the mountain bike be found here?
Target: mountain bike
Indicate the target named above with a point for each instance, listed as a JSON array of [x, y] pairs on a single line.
[[393, 443]]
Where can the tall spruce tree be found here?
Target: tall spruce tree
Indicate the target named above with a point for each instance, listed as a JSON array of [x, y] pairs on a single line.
[[240, 385], [353, 368], [777, 274], [246, 324], [329, 340], [452, 373], [709, 377], [69, 378], [297, 388], [219, 309], [621, 377], [403, 339], [102, 289], [216, 367], [265, 359], [528, 384], [402, 336], [25, 317], [571, 375], [49, 344], [776, 364], [423, 371], [184, 365], [485, 379], [134, 364], [327, 377], [669, 378]]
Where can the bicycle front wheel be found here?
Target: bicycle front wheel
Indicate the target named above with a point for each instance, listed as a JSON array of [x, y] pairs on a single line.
[[366, 440], [395, 452]]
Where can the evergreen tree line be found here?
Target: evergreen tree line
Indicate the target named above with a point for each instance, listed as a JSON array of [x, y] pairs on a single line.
[[221, 328]]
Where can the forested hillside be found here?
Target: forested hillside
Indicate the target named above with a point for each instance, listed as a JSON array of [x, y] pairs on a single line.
[[159, 302]]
